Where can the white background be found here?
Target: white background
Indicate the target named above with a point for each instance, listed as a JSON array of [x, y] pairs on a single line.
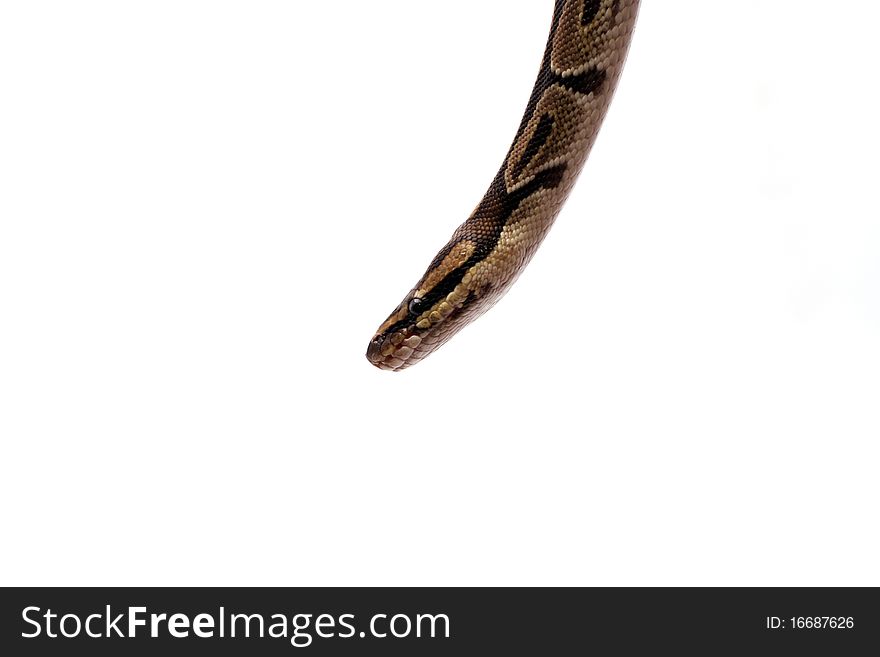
[[206, 209]]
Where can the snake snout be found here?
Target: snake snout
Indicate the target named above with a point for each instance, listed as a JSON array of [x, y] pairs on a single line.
[[374, 350], [394, 351]]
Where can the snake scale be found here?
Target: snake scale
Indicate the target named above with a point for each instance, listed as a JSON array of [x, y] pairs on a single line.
[[585, 55]]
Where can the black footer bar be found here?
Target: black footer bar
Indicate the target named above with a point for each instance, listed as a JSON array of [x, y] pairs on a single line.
[[429, 621]]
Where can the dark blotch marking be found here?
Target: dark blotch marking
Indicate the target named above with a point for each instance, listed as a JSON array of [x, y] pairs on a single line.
[[539, 138], [591, 8], [493, 213], [585, 83]]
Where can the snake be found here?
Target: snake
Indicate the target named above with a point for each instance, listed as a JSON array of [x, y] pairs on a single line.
[[585, 54]]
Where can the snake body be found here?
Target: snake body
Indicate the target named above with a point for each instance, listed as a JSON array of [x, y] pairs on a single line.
[[585, 55]]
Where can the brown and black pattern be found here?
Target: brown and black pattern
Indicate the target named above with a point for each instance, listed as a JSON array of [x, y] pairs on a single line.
[[585, 54]]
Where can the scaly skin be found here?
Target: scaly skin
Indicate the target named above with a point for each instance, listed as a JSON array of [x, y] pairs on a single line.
[[585, 55]]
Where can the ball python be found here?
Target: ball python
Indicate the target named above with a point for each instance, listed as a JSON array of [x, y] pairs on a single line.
[[585, 55]]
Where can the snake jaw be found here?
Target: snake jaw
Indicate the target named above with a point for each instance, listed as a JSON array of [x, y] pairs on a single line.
[[404, 338], [394, 351], [398, 345]]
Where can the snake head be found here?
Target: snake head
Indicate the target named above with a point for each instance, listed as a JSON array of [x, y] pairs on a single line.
[[441, 303], [398, 342], [415, 329]]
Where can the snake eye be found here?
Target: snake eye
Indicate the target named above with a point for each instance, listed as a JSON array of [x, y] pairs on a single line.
[[415, 305]]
